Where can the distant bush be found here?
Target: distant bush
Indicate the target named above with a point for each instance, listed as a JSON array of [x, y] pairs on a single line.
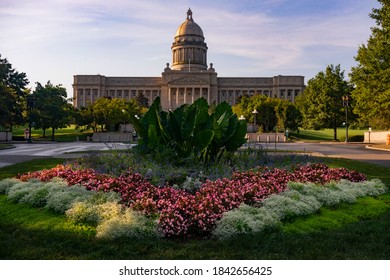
[[356, 138]]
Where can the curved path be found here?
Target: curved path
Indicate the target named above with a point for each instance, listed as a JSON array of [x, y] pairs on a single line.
[[356, 151], [25, 152]]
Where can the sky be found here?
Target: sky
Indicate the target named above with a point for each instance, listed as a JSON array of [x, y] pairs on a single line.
[[56, 39]]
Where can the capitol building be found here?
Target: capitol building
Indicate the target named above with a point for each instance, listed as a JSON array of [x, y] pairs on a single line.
[[187, 79]]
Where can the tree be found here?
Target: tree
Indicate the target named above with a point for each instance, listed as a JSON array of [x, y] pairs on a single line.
[[51, 109], [372, 74], [142, 101], [83, 117], [321, 103], [265, 107], [12, 94], [289, 116], [109, 113]]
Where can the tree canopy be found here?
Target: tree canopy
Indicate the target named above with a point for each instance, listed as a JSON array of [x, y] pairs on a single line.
[[371, 76], [12, 94], [271, 112], [321, 102], [51, 110], [108, 113]]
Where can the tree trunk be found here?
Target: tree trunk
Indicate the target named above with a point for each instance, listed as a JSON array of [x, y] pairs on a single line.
[[52, 134], [335, 132], [44, 133]]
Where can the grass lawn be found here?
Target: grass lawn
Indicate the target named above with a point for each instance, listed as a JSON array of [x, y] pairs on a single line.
[[355, 135], [67, 134], [5, 146], [33, 165], [350, 231]]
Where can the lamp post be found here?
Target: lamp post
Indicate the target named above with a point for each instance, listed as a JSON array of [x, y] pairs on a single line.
[[254, 112], [124, 120], [369, 134], [30, 105], [345, 105]]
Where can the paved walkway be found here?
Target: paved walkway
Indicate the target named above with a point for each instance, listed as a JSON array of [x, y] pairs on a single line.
[[25, 152]]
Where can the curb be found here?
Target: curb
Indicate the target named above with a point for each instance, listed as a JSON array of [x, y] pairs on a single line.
[[378, 149]]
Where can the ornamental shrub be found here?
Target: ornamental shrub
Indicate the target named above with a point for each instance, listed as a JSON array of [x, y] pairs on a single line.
[[291, 204], [245, 220], [62, 199], [127, 224], [37, 195], [96, 208], [85, 212], [6, 184], [19, 190]]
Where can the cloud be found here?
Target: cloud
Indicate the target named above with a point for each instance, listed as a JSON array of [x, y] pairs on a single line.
[[57, 39]]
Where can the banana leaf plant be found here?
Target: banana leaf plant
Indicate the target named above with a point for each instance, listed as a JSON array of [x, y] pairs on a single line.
[[191, 130]]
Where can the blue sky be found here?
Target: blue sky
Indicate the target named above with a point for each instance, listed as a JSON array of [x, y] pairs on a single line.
[[54, 40]]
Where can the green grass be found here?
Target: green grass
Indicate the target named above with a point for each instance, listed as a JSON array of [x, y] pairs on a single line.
[[370, 170], [5, 146], [327, 134], [366, 208], [33, 165], [351, 231], [67, 134]]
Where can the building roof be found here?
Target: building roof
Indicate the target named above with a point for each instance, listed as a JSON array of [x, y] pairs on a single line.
[[189, 28]]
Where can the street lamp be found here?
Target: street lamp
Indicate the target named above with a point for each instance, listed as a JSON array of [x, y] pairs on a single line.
[[30, 105], [345, 105], [124, 120], [254, 112], [369, 134]]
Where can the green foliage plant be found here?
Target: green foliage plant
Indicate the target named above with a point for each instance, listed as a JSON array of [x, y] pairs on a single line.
[[190, 131], [371, 76]]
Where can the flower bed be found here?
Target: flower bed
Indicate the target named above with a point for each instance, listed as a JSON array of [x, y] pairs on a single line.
[[181, 213]]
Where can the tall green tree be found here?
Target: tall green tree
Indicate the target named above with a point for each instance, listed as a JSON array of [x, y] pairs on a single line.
[[12, 94], [109, 113], [51, 109], [372, 74], [265, 106], [321, 102], [289, 116]]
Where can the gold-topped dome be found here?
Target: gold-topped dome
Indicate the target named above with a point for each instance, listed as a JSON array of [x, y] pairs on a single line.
[[189, 50], [189, 27]]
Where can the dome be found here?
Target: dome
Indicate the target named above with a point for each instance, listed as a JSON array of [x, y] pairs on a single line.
[[189, 50], [189, 27]]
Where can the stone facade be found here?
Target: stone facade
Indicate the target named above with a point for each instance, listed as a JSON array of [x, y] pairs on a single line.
[[188, 79]]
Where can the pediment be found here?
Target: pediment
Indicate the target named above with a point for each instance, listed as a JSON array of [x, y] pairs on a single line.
[[190, 80]]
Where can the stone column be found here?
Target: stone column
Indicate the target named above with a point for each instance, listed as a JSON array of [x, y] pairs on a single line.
[[177, 97], [169, 96]]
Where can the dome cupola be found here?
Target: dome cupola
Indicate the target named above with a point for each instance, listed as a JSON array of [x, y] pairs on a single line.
[[189, 50]]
